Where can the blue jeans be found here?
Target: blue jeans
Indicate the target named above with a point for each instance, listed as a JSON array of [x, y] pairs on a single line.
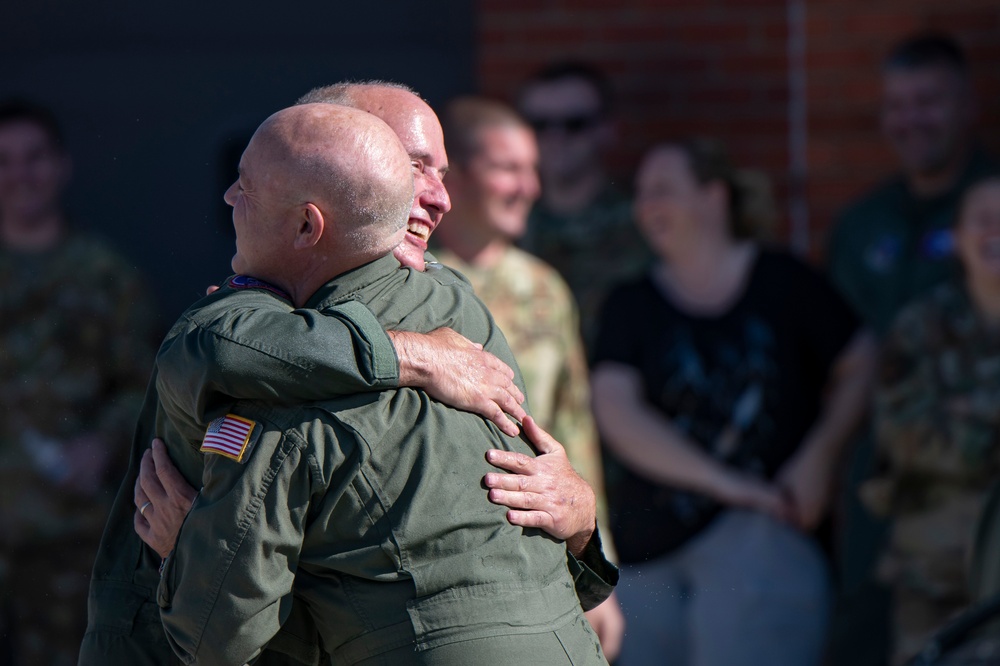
[[748, 590]]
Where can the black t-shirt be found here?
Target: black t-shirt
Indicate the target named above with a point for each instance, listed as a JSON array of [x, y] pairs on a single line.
[[745, 385]]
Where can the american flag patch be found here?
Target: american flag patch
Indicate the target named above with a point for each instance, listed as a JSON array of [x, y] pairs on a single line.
[[228, 436]]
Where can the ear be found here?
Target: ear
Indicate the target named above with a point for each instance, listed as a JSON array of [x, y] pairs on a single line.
[[311, 225]]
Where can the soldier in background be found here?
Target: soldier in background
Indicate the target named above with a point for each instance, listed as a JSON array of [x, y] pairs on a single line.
[[894, 243], [582, 224], [890, 246], [938, 421], [493, 183], [75, 350]]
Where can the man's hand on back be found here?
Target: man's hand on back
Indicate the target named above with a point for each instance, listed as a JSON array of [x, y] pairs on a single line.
[[457, 372], [544, 492], [162, 499]]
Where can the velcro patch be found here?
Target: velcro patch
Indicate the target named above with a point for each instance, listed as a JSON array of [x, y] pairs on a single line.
[[230, 436], [247, 282]]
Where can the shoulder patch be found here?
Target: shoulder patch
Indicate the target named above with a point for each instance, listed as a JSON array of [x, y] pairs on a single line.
[[247, 282], [938, 244], [230, 436], [881, 255]]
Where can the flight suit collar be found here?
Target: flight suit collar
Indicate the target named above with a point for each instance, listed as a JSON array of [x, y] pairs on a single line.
[[346, 285]]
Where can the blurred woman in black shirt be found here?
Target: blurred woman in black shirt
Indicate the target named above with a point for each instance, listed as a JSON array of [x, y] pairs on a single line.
[[726, 383]]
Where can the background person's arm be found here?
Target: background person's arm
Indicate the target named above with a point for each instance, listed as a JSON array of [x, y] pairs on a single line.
[[652, 447], [809, 474]]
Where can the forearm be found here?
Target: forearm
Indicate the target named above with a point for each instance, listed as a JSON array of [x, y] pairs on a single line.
[[848, 398], [459, 373], [646, 440], [416, 366], [264, 350]]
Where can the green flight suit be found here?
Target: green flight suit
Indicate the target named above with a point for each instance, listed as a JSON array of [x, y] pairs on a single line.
[[237, 341], [251, 344], [366, 509]]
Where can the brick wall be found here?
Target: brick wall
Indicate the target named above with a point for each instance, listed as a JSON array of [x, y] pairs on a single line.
[[721, 68], [847, 41]]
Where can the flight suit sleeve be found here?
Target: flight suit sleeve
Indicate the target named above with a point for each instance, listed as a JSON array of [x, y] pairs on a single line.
[[227, 587], [261, 349], [594, 577]]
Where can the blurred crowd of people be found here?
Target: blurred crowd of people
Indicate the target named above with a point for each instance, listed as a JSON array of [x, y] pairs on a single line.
[[709, 385]]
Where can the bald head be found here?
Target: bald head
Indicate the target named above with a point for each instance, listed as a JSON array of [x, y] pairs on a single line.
[[365, 95], [416, 125], [322, 189], [350, 162]]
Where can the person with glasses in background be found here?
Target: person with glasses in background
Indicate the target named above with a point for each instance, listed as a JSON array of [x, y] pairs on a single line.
[[582, 224]]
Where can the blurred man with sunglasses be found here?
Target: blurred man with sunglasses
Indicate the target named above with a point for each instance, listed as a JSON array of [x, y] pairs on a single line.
[[582, 224]]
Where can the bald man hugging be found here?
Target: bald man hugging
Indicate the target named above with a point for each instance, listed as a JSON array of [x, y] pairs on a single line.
[[366, 508]]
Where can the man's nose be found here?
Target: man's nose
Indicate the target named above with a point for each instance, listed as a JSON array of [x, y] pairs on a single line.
[[230, 196], [436, 196]]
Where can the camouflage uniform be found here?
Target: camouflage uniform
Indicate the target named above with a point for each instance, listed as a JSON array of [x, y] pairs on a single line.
[[535, 311], [886, 249], [593, 250], [75, 350], [938, 414]]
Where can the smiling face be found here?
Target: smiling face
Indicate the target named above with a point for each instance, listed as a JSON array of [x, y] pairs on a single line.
[[418, 129], [323, 188], [495, 191], [977, 234], [670, 203], [926, 116]]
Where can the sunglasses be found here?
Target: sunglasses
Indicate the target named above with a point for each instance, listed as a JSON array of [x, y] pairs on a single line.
[[574, 124]]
